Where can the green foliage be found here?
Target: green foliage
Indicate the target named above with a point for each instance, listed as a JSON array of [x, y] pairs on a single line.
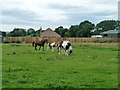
[[67, 34], [18, 41], [73, 30], [96, 32], [3, 34], [84, 29], [81, 30], [30, 31], [6, 41], [103, 41], [60, 30], [12, 41], [105, 26], [38, 33], [89, 66], [33, 35], [17, 32]]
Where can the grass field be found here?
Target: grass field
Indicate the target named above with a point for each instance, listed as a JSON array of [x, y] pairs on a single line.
[[91, 65]]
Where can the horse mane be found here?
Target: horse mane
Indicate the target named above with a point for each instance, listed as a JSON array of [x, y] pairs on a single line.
[[44, 40]]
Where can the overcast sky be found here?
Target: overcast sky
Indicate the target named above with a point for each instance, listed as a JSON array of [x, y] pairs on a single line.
[[53, 13]]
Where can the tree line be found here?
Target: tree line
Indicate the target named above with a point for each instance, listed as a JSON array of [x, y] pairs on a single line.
[[84, 29], [87, 28]]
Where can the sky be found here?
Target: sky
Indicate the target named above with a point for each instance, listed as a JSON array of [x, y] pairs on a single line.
[[54, 13]]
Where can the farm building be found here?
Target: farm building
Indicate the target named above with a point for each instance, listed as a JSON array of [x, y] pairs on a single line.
[[1, 38], [48, 33], [111, 34]]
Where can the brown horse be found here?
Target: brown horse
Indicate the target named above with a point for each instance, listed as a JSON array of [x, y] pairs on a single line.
[[39, 43]]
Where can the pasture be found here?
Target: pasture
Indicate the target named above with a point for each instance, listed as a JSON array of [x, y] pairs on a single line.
[[91, 65]]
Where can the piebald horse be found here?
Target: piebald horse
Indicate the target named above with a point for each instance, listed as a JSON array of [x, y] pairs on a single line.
[[64, 46], [51, 46]]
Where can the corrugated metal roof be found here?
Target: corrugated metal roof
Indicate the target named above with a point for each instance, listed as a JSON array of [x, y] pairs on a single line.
[[111, 32]]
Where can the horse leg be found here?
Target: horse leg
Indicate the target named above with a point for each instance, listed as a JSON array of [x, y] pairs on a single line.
[[43, 48], [36, 47], [67, 52], [62, 50], [59, 50], [47, 48], [53, 48], [39, 48]]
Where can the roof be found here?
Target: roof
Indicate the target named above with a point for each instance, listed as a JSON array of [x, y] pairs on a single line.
[[96, 36], [49, 33], [111, 32]]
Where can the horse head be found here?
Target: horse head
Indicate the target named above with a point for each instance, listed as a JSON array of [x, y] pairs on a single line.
[[46, 41], [70, 50]]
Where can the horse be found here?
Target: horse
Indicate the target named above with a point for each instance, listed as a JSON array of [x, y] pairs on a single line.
[[39, 43], [64, 46], [51, 46]]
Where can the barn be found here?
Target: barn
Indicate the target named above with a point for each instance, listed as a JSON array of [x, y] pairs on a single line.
[[111, 34], [1, 38], [48, 33]]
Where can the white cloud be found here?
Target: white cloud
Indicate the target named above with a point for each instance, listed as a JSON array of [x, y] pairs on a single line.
[[52, 13]]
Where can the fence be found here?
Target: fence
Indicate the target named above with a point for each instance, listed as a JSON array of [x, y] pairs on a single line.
[[71, 39]]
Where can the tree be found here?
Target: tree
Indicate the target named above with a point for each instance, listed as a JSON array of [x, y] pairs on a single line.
[[17, 32], [107, 25], [67, 34], [37, 33], [57, 30], [30, 31], [60, 30], [73, 30], [85, 29], [96, 32], [3, 33], [11, 34], [81, 30]]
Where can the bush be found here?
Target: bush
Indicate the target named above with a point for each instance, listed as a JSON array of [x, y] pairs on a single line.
[[95, 41], [18, 41], [109, 41], [6, 41], [102, 41], [12, 41]]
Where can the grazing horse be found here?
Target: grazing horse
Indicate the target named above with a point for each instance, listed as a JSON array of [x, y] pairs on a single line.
[[64, 46], [39, 43], [51, 46]]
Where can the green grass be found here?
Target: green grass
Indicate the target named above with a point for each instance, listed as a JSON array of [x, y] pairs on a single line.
[[89, 66]]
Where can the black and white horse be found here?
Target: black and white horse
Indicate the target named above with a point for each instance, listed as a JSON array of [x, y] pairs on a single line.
[[51, 46], [64, 46]]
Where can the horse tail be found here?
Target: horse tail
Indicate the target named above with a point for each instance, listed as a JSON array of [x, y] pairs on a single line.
[[33, 43]]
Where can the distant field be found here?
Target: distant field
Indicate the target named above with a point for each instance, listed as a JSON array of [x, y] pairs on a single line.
[[91, 65]]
